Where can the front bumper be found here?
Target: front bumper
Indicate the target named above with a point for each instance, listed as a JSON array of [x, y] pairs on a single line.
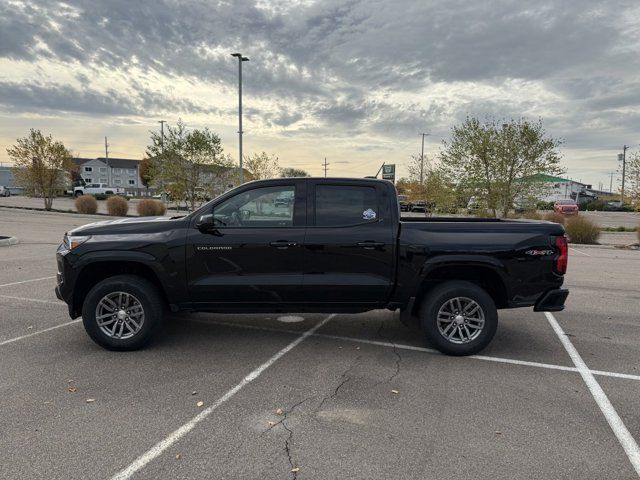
[[552, 301]]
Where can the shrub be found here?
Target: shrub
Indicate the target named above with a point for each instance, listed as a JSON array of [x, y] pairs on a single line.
[[555, 218], [581, 230], [544, 206], [117, 206], [151, 208], [86, 204]]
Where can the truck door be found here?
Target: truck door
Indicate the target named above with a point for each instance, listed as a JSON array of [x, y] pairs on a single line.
[[349, 243], [255, 254]]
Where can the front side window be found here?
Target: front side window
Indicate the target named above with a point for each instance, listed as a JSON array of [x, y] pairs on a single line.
[[341, 205], [265, 207]]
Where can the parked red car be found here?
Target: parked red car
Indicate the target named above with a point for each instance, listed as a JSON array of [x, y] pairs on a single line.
[[566, 207]]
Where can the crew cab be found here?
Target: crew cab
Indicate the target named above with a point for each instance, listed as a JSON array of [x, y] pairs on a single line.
[[339, 246], [97, 189]]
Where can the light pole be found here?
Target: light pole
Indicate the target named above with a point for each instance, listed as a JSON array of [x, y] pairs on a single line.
[[162, 122], [240, 60], [623, 158], [422, 158]]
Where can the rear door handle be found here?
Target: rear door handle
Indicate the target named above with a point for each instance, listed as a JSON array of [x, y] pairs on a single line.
[[370, 245], [282, 244]]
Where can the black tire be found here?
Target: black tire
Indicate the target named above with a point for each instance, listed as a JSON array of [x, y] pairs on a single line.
[[77, 194], [439, 298], [144, 292]]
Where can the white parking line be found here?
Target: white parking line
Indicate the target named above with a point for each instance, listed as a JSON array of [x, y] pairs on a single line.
[[580, 252], [415, 348], [27, 281], [176, 435], [24, 299], [11, 340], [613, 419]]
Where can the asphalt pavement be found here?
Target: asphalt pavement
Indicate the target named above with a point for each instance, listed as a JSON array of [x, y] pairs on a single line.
[[317, 396]]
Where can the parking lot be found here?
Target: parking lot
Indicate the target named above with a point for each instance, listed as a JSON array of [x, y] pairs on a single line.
[[317, 396]]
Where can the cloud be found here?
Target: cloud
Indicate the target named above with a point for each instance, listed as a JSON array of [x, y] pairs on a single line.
[[333, 68]]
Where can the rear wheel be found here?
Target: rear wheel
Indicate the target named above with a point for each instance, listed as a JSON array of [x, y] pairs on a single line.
[[459, 318], [123, 312]]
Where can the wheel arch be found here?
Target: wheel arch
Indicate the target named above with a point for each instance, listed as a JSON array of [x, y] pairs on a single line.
[[488, 275], [97, 270]]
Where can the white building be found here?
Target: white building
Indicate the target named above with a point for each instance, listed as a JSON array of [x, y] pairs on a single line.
[[557, 188], [115, 172]]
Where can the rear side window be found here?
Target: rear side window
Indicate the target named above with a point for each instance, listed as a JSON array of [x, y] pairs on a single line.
[[338, 205]]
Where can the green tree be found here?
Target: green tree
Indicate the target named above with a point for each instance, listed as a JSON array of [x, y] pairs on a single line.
[[632, 180], [293, 172], [262, 165], [41, 165], [498, 163], [185, 159]]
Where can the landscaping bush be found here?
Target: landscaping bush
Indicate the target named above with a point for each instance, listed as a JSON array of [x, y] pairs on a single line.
[[86, 204], [555, 218], [151, 208], [544, 205], [117, 206], [581, 230]]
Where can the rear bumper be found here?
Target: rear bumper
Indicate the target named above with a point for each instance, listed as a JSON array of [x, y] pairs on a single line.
[[552, 300]]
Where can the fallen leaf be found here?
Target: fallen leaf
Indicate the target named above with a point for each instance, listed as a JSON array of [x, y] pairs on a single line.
[[194, 393], [29, 327], [498, 433], [395, 391], [72, 389], [295, 469], [357, 348], [271, 424], [91, 400], [70, 381], [279, 411], [200, 403], [178, 456]]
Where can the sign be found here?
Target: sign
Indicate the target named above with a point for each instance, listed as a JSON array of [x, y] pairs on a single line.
[[389, 172]]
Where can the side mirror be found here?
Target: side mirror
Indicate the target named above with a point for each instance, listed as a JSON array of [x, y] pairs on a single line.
[[205, 223], [245, 214]]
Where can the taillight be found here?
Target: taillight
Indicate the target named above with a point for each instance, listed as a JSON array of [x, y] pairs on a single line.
[[563, 255]]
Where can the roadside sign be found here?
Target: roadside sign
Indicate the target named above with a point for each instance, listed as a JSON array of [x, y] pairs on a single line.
[[389, 172]]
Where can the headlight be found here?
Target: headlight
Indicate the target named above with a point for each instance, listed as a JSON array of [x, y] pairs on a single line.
[[73, 241]]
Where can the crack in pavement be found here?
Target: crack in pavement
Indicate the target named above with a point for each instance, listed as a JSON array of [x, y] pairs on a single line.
[[345, 378], [395, 352]]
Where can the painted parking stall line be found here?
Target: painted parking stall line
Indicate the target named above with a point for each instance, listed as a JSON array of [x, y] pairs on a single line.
[[27, 281], [613, 419], [176, 435], [29, 335]]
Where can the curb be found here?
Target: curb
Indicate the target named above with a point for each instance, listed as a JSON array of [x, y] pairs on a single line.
[[606, 247], [5, 242]]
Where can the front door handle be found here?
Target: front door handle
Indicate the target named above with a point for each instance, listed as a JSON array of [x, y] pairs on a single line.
[[370, 245], [282, 244]]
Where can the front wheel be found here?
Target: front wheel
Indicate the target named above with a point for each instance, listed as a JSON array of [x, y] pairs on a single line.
[[123, 312], [459, 318]]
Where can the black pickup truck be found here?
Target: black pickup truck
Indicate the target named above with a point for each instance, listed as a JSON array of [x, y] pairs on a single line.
[[339, 245]]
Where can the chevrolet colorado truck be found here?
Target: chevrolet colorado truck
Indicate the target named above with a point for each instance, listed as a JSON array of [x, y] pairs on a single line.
[[338, 246]]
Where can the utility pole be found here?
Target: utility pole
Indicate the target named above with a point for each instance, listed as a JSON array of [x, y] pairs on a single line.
[[422, 158], [240, 60], [325, 164], [611, 182], [624, 168], [106, 155]]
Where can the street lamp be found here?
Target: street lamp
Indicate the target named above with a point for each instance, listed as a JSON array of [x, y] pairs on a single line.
[[422, 158], [240, 60]]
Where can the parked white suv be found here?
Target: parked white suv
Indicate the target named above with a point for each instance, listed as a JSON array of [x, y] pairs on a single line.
[[4, 191], [97, 189]]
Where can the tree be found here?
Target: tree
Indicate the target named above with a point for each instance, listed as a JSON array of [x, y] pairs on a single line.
[[41, 165], [185, 159], [499, 163], [262, 165], [145, 172], [293, 172]]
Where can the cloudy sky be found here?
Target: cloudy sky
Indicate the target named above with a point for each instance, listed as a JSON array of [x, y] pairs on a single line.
[[353, 80]]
